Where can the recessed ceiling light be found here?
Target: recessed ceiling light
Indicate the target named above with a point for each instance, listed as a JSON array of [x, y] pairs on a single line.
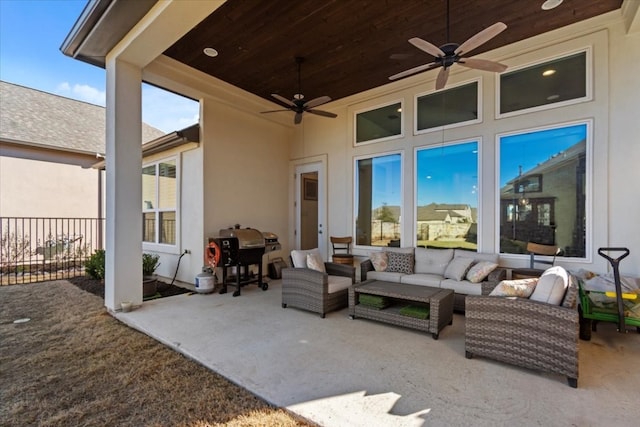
[[209, 51], [548, 72], [551, 4]]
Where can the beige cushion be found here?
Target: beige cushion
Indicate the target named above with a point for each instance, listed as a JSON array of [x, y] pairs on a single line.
[[522, 288], [478, 272], [315, 262], [299, 257], [551, 286], [457, 268], [338, 283], [433, 261], [477, 256], [422, 279], [379, 260]]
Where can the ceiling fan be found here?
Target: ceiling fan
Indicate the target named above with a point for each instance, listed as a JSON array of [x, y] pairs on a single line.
[[451, 53], [298, 103]]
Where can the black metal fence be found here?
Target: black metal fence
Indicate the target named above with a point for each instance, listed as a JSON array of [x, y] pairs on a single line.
[[40, 249]]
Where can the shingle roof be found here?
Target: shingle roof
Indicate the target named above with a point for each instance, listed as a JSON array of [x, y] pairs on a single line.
[[39, 118]]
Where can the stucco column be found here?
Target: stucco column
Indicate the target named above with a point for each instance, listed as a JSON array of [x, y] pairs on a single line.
[[123, 268]]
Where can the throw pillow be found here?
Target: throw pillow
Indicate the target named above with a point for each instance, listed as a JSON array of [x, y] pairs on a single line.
[[551, 286], [522, 288], [458, 268], [379, 260], [314, 262], [400, 263], [299, 257], [480, 271]]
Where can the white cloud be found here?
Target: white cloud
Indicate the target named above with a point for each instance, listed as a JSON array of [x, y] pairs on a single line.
[[82, 92]]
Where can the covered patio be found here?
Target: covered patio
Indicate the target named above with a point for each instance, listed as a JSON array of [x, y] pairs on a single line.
[[336, 371]]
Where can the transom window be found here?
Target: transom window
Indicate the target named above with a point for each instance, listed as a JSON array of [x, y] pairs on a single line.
[[455, 106], [543, 189], [378, 200], [159, 202], [560, 81], [379, 124], [447, 196]]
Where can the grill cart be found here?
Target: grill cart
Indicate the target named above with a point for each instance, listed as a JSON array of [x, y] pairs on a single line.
[[618, 307]]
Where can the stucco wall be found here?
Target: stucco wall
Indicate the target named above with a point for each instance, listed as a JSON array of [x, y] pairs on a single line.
[[33, 188]]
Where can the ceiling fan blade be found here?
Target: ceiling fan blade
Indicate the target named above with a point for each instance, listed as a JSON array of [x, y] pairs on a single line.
[[323, 113], [424, 45], [273, 111], [413, 70], [441, 80], [297, 119], [482, 64], [480, 38], [283, 99], [317, 101]]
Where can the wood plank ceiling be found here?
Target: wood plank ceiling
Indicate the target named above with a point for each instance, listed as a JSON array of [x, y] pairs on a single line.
[[351, 46]]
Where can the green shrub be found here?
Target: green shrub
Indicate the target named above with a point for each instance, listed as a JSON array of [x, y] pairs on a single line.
[[94, 266], [149, 264]]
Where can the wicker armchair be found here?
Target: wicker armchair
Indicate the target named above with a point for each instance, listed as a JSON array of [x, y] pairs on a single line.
[[310, 289], [526, 333]]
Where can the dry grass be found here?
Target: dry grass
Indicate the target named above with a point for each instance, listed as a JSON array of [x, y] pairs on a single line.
[[74, 364]]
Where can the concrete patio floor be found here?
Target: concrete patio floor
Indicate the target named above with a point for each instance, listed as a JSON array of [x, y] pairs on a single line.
[[341, 372]]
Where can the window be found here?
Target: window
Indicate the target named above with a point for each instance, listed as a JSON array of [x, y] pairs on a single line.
[[159, 202], [543, 180], [379, 124], [378, 200], [454, 106], [447, 196], [554, 83]]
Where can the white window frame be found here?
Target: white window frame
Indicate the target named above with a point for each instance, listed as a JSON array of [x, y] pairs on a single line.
[[165, 247], [589, 232], [355, 192], [416, 131], [386, 138], [588, 82]]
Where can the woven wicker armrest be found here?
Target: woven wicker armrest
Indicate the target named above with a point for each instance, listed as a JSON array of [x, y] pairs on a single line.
[[523, 332], [335, 269], [365, 266], [495, 277]]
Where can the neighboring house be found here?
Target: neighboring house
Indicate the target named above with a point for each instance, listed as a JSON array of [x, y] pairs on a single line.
[[246, 168], [48, 144], [51, 199]]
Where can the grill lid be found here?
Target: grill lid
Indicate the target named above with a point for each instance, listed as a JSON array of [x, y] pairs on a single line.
[[247, 237]]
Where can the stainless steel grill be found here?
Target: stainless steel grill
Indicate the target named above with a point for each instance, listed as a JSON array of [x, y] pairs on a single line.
[[241, 248]]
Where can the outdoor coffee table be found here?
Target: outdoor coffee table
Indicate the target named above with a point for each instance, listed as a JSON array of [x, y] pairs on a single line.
[[439, 301]]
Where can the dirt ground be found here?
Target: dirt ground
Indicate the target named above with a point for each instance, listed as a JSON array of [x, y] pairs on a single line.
[[96, 287], [64, 361]]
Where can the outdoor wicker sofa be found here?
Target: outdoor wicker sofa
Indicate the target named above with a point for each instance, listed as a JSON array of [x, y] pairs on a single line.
[[441, 268], [527, 333], [316, 291]]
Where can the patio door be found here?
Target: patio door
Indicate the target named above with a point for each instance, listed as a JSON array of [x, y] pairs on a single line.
[[310, 207]]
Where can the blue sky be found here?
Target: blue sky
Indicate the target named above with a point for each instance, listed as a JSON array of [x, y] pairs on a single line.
[[31, 33]]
